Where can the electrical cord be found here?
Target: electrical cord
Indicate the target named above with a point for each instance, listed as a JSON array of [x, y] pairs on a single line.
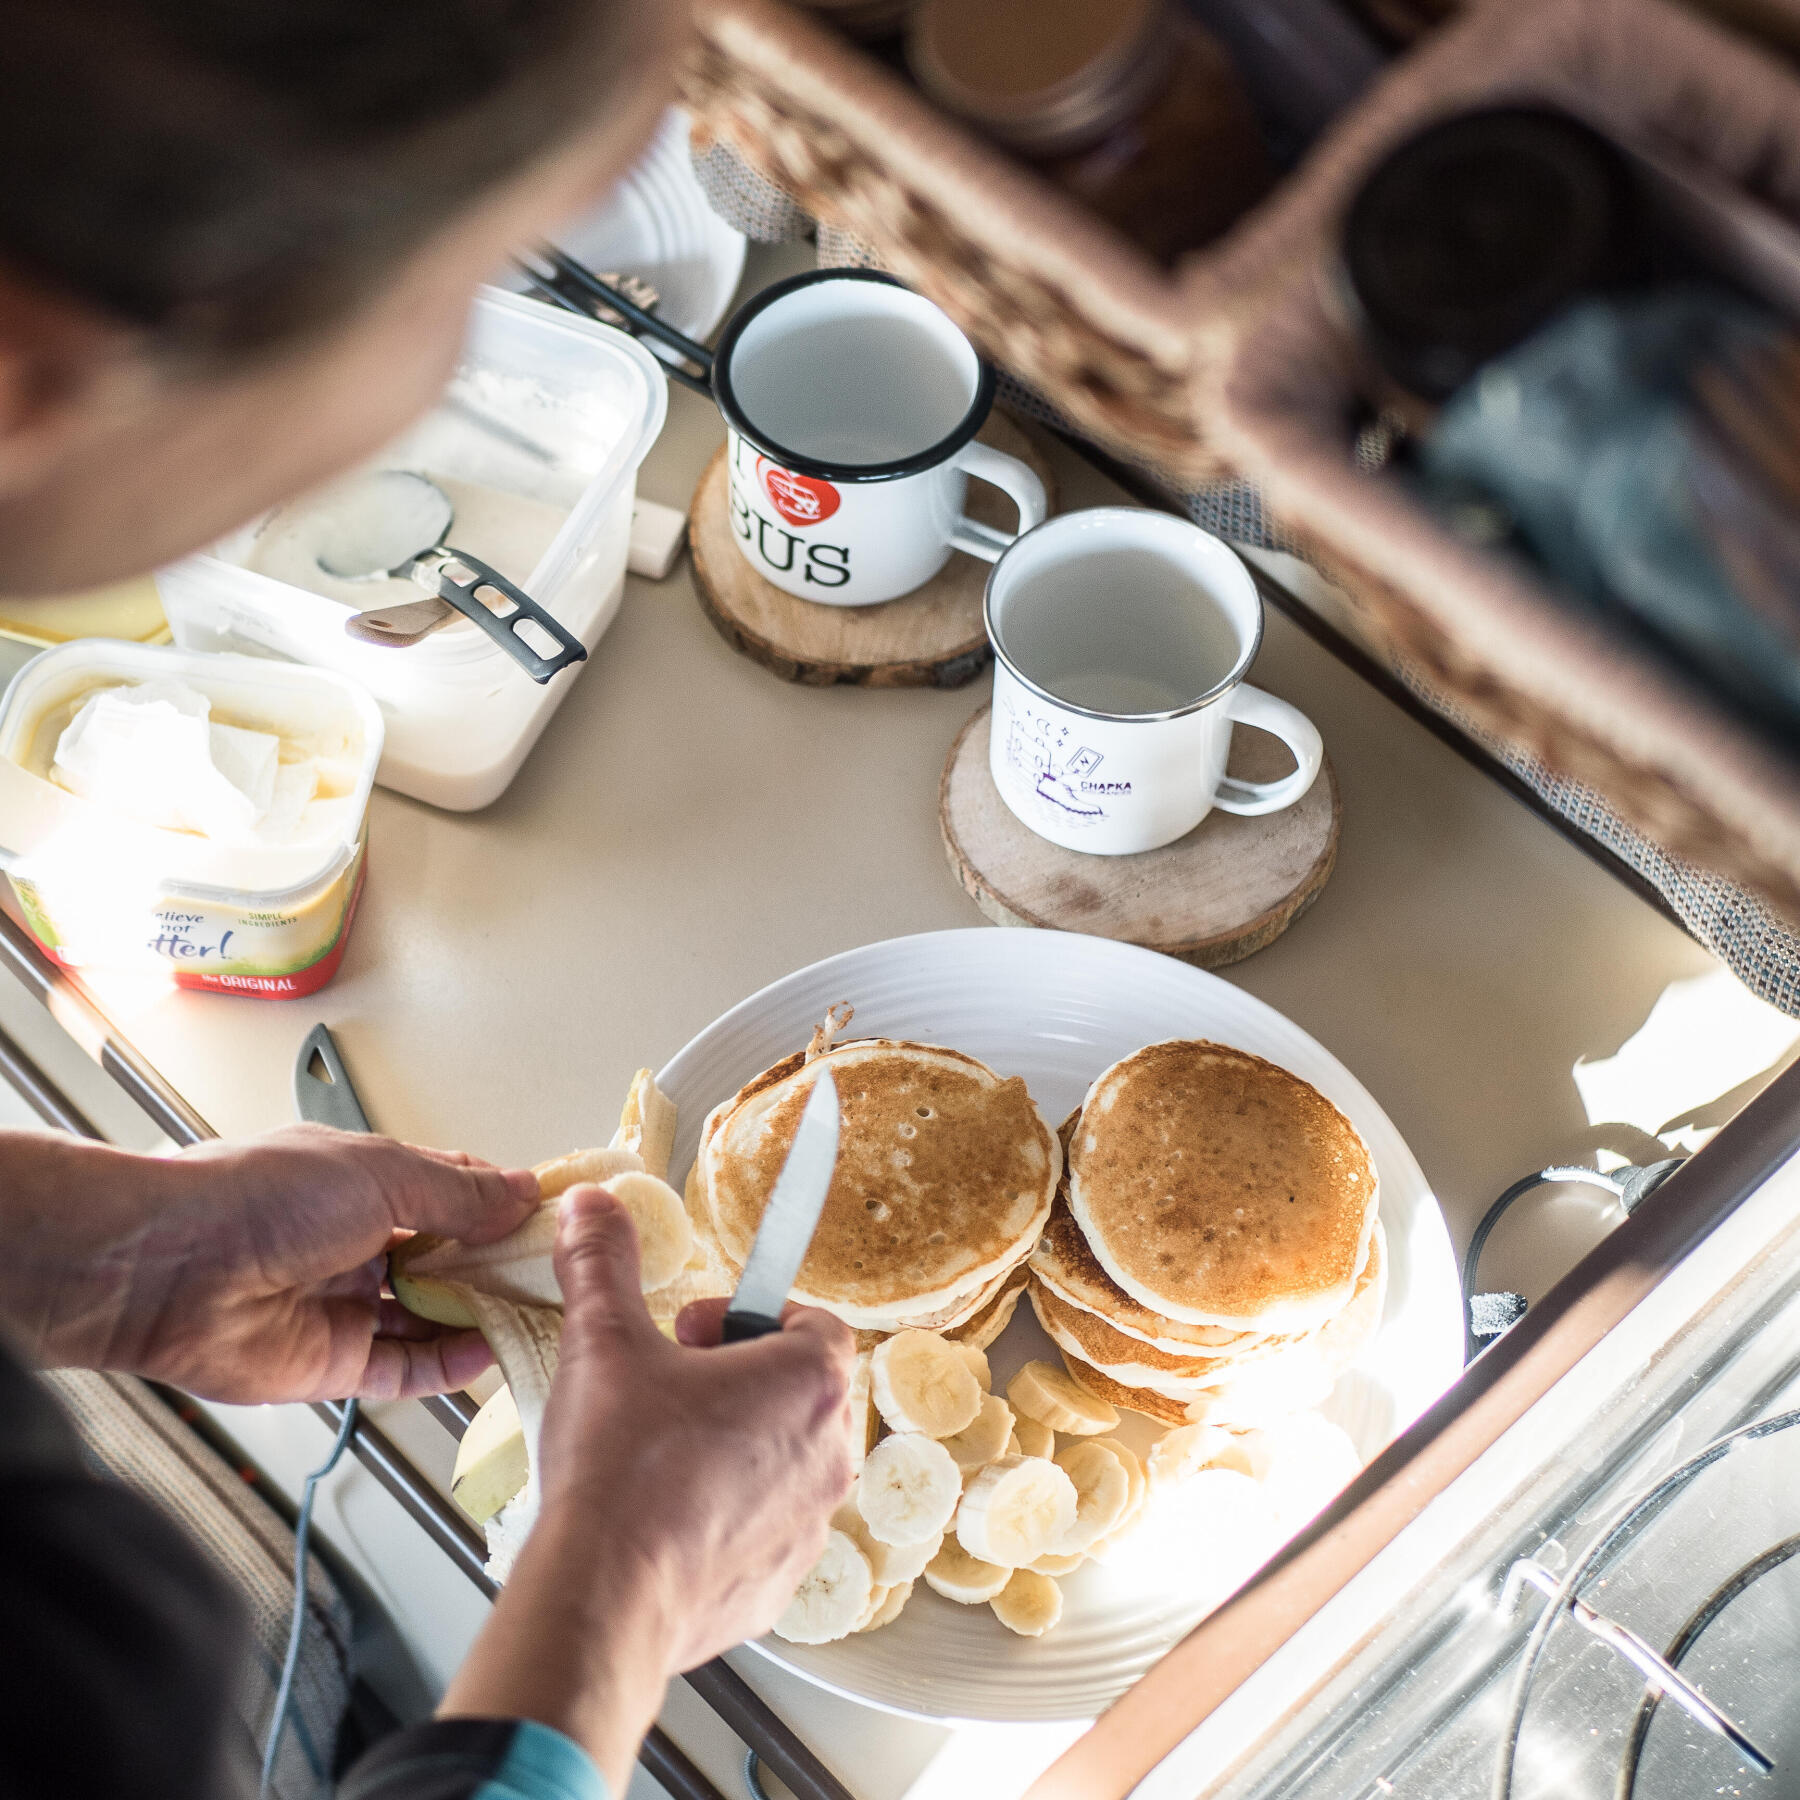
[[290, 1665], [1630, 1186]]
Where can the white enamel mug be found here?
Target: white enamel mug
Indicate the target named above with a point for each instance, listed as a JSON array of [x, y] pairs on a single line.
[[853, 405], [1121, 639]]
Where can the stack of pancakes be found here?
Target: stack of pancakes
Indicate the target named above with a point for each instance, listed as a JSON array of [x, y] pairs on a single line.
[[1214, 1253], [944, 1181]]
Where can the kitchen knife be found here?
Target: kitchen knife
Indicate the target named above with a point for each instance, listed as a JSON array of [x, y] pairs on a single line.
[[327, 1098], [789, 1220]]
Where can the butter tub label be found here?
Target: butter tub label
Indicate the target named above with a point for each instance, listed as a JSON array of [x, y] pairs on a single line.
[[209, 945]]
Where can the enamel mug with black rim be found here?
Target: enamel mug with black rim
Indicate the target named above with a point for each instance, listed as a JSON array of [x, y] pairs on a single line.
[[1121, 639], [852, 405]]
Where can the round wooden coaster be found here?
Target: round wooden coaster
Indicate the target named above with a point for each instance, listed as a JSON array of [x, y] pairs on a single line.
[[1224, 891], [931, 638]]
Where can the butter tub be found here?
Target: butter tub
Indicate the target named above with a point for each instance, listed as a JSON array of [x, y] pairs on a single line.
[[100, 890]]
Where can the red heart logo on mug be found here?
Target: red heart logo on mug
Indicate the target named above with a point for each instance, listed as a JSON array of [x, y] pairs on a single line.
[[799, 499]]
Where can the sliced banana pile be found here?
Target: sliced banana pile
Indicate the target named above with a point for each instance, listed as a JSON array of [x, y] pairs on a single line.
[[950, 1492], [990, 1500]]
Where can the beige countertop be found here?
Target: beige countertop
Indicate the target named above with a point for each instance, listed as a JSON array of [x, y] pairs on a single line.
[[689, 828]]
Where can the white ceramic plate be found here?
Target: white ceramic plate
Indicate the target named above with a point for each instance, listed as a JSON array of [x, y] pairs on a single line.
[[1057, 1008], [656, 224]]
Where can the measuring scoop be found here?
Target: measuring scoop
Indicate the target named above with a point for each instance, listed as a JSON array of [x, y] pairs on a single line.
[[396, 528]]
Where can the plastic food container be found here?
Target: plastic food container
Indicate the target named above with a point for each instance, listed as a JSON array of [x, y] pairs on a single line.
[[103, 891], [460, 715]]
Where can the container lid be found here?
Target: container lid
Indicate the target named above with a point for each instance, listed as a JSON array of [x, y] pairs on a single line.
[[1475, 232], [38, 818], [1044, 76]]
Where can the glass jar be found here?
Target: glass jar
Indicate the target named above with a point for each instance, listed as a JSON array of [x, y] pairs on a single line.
[[1126, 104]]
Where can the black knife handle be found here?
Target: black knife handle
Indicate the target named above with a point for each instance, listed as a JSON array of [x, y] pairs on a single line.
[[741, 1327]]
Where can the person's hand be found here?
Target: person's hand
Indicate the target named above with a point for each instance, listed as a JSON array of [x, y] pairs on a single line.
[[243, 1272], [686, 1488]]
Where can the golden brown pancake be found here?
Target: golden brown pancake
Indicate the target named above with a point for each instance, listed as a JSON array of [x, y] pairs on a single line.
[[993, 1318], [944, 1178], [1218, 1189], [1139, 1400], [1065, 1263], [1327, 1350]]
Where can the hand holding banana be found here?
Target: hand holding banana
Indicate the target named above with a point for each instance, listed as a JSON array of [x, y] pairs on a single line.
[[683, 1491]]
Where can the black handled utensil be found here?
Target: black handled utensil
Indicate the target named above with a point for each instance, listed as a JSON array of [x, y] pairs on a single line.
[[402, 533], [789, 1220]]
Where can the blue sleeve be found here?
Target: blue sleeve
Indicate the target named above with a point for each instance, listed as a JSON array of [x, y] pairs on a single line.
[[476, 1759]]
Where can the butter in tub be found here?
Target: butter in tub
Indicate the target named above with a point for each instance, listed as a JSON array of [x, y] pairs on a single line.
[[201, 814]]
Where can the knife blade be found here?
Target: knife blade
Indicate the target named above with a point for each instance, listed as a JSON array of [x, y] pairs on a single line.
[[326, 1098], [789, 1220]]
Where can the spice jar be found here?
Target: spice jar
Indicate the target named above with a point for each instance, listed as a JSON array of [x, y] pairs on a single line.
[[1127, 104]]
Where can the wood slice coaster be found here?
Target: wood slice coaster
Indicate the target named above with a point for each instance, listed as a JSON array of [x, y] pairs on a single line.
[[1221, 893], [930, 638]]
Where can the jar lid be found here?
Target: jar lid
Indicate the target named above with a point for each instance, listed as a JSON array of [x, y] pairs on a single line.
[[1044, 76], [1475, 232]]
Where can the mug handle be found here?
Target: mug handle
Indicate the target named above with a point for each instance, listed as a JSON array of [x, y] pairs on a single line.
[[1252, 706], [1014, 478]]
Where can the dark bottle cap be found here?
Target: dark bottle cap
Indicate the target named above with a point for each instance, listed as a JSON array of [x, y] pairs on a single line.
[[1475, 232]]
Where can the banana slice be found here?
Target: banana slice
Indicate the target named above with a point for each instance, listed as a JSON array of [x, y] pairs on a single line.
[[1134, 1469], [966, 1579], [832, 1598], [893, 1603], [1016, 1510], [1035, 1439], [1046, 1393], [564, 1172], [1058, 1565], [664, 1233], [647, 1124], [921, 1383], [890, 1564], [878, 1598], [977, 1360], [865, 1421], [1102, 1493], [1013, 1447], [1029, 1604], [909, 1488], [983, 1442], [490, 1461], [1179, 1453]]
